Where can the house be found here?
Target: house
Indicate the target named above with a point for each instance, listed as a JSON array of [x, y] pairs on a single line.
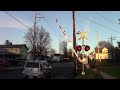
[[16, 51], [103, 53], [7, 56]]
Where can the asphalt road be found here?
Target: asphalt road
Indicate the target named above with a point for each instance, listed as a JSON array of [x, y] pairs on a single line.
[[11, 74], [60, 71]]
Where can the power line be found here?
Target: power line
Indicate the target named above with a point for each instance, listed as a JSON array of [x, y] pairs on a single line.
[[64, 25], [99, 24], [54, 30], [16, 19], [23, 24], [107, 18], [50, 25]]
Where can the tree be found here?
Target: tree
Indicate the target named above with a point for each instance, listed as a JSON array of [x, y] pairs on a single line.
[[40, 40], [7, 42], [103, 44], [116, 51], [30, 39], [70, 54], [64, 48], [43, 41], [52, 52], [118, 44]]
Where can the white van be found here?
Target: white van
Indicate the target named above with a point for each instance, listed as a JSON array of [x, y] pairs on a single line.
[[36, 69]]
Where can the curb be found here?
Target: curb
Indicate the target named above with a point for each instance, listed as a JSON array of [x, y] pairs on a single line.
[[103, 74]]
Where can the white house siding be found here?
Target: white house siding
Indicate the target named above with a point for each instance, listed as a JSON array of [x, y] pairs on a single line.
[[105, 50], [102, 56]]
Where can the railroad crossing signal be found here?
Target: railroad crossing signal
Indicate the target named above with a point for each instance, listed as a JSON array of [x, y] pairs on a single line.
[[79, 48], [87, 48], [82, 35]]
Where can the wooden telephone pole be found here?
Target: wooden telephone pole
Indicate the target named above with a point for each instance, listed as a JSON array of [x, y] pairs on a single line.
[[34, 41], [111, 39], [74, 41], [98, 45]]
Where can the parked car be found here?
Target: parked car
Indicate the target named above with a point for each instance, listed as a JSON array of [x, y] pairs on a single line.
[[4, 63], [21, 61], [36, 69], [55, 59]]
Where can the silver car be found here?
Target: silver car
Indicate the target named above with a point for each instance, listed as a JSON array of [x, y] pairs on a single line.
[[36, 69]]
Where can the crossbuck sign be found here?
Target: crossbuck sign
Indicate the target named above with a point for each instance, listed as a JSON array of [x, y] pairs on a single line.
[[83, 35]]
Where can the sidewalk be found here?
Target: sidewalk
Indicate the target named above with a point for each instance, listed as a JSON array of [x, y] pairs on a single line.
[[104, 75]]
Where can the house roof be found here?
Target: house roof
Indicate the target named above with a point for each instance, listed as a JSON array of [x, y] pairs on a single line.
[[14, 46]]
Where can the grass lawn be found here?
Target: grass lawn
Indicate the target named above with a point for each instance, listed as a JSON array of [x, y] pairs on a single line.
[[113, 70], [89, 75]]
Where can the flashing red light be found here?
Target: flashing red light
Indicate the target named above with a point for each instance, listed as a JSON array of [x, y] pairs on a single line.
[[87, 48], [79, 48]]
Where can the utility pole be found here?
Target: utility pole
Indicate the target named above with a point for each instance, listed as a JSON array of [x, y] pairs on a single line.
[[98, 45], [74, 41], [34, 39], [111, 39]]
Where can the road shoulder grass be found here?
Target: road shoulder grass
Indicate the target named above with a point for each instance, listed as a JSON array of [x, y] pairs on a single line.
[[112, 70], [88, 75]]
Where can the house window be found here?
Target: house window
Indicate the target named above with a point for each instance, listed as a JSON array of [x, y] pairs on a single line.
[[16, 50]]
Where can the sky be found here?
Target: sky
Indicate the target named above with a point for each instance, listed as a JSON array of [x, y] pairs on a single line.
[[90, 21]]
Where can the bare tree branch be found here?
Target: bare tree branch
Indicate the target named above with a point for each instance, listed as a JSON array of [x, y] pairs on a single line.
[[41, 39]]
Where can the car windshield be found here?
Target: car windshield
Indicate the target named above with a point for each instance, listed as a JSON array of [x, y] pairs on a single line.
[[32, 65]]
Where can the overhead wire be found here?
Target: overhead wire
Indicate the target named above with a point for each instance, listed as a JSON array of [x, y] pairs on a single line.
[[107, 18], [54, 30], [16, 19], [99, 24]]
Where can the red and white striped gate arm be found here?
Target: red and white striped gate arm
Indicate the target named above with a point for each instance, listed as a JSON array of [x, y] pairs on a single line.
[[71, 46]]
